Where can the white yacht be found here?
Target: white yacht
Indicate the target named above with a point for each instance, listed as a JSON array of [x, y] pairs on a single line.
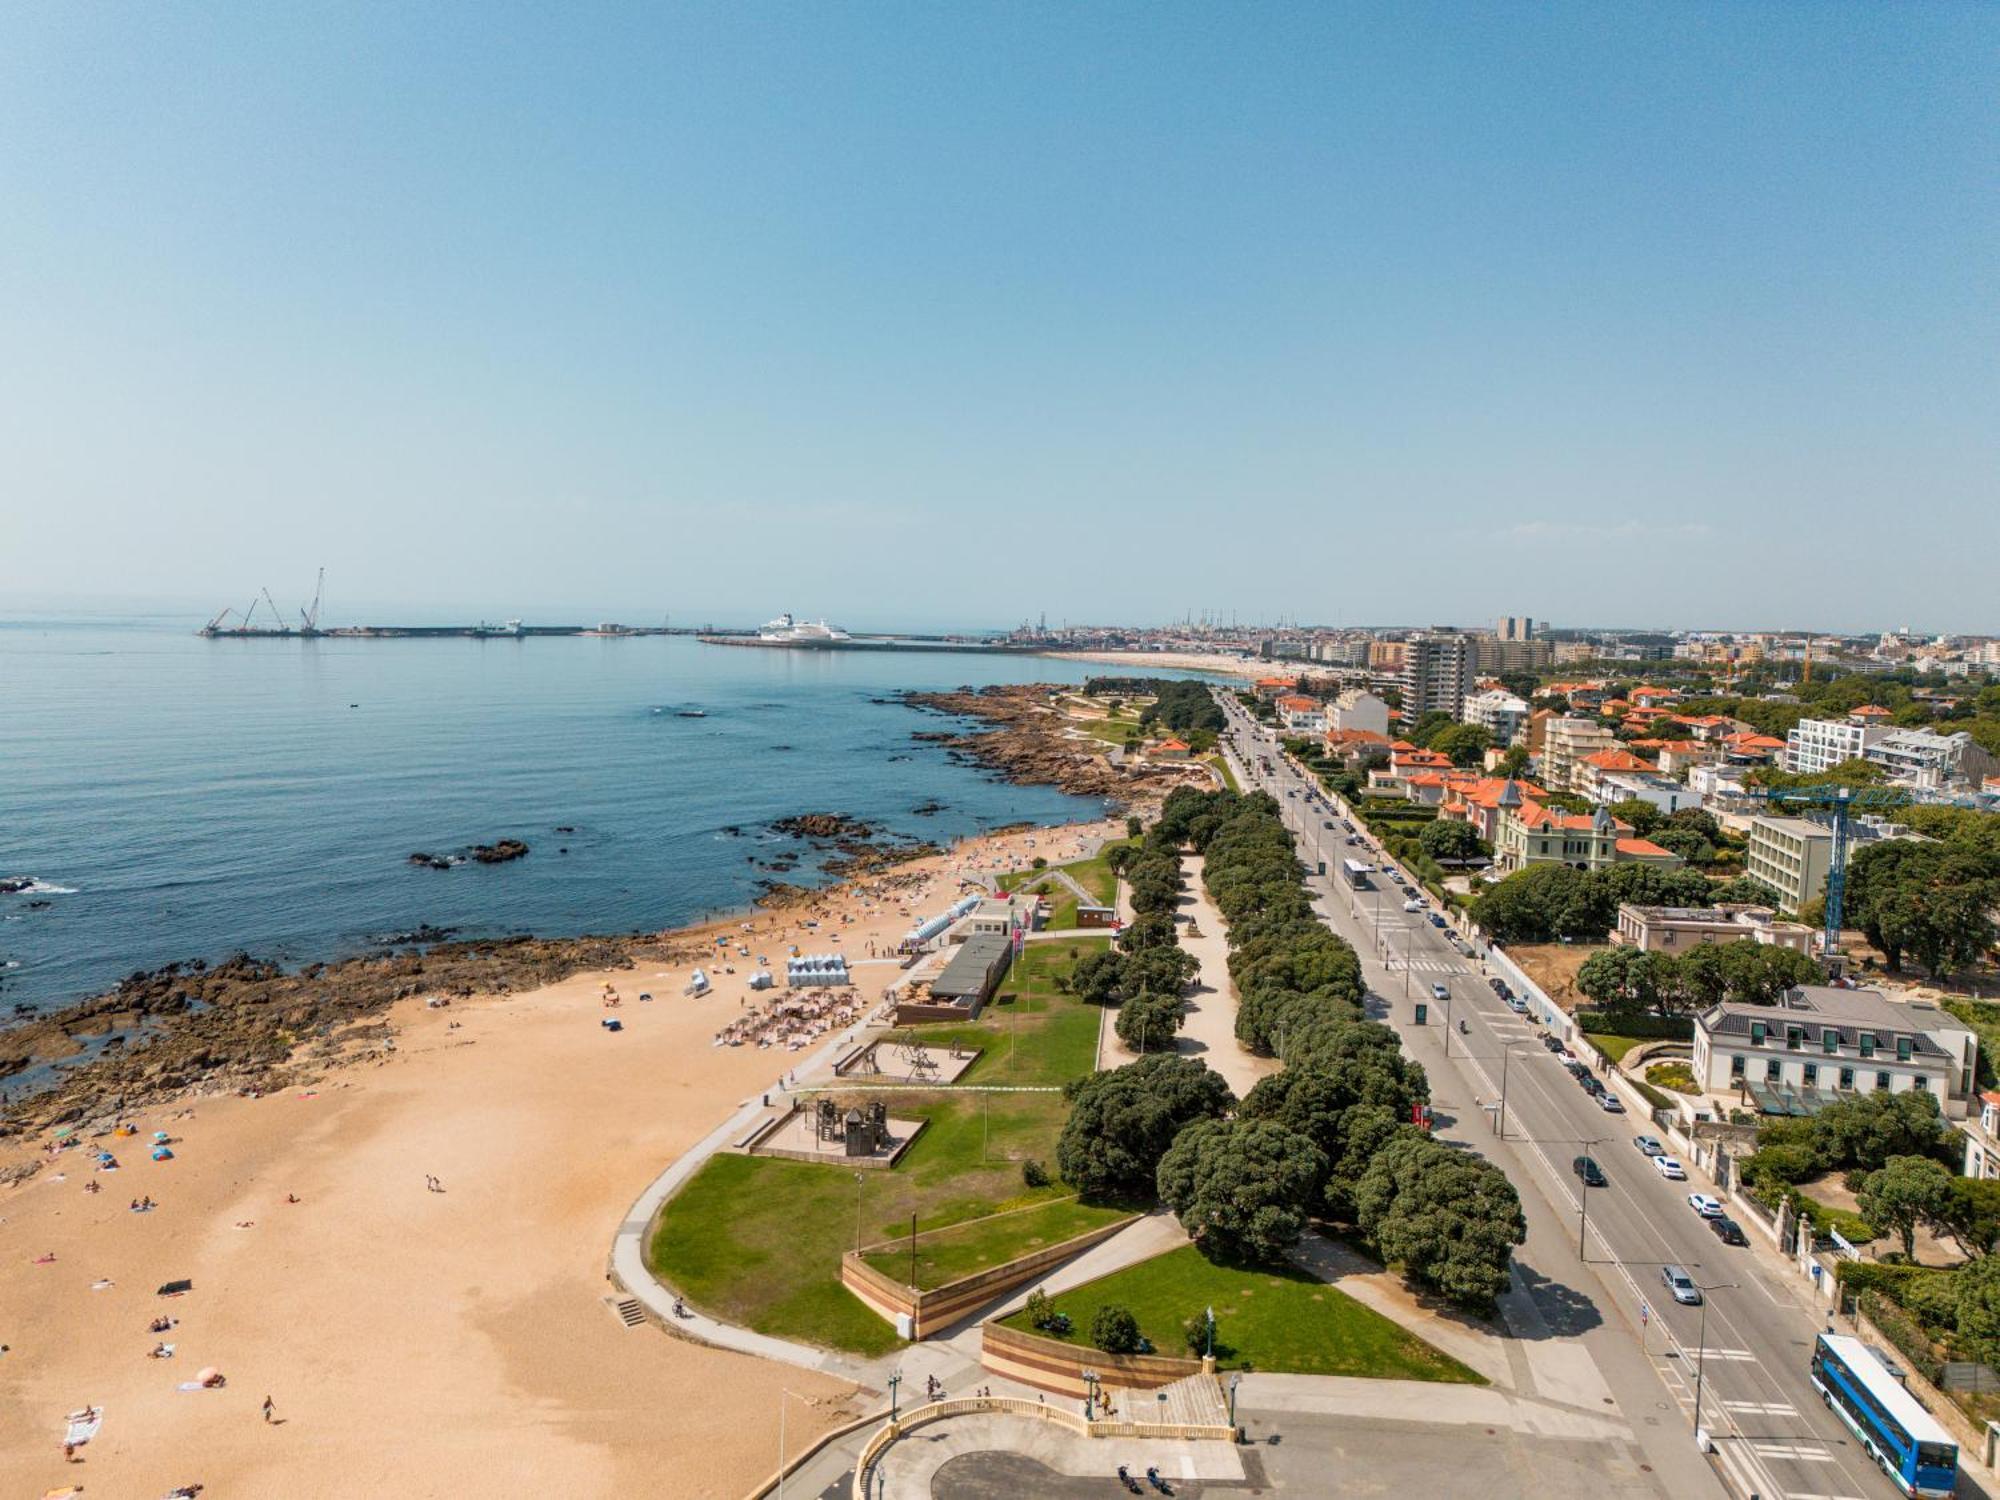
[[786, 631]]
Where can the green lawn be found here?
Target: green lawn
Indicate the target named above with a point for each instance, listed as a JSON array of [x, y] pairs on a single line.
[[758, 1240], [1221, 765], [947, 1254], [1615, 1047], [1271, 1319]]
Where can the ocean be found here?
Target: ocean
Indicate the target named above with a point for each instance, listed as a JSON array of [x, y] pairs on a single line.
[[179, 798]]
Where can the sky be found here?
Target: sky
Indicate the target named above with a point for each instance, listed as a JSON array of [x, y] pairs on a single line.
[[1659, 315]]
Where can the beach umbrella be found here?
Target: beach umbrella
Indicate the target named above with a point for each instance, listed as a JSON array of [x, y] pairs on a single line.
[[161, 1136], [161, 1153]]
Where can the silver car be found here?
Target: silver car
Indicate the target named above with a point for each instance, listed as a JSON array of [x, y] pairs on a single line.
[[1681, 1285]]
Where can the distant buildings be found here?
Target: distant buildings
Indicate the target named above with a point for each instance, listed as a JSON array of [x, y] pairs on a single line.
[[1515, 628]]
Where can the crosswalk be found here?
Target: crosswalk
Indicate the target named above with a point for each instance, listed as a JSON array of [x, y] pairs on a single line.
[[1423, 965]]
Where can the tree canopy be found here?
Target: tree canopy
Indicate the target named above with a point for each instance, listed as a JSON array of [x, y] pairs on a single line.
[[1122, 1120], [1242, 1188], [1449, 1218]]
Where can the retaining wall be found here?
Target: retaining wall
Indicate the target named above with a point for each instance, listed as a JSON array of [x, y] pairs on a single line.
[[942, 1306], [1052, 1365]]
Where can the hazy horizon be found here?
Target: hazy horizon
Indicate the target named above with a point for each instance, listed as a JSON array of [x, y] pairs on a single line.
[[919, 317]]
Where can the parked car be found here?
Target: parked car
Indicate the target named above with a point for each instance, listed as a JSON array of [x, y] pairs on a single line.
[[1587, 1168], [1551, 1041], [1436, 920], [1592, 1085], [1728, 1230], [1517, 1005], [1703, 1204], [1440, 994], [1670, 1169], [1649, 1144], [1413, 906], [1610, 1103], [1497, 985], [1681, 1285]]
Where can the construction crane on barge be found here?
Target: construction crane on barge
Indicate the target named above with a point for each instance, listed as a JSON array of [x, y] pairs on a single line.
[[246, 627]]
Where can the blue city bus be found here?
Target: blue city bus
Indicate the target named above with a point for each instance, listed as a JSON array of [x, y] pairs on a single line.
[[1913, 1450], [1356, 873]]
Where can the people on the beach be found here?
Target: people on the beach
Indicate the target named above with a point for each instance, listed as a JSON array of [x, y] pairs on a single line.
[[432, 1183], [270, 1409]]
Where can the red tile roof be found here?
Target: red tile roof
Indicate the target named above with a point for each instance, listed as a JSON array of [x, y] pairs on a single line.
[[1643, 849], [1869, 711], [1617, 760]]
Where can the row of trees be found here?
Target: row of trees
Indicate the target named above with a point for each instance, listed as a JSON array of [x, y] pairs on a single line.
[[1627, 981], [1548, 903], [1329, 1136], [1185, 706]]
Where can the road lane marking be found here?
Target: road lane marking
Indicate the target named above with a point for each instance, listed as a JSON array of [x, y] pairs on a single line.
[[1764, 1408]]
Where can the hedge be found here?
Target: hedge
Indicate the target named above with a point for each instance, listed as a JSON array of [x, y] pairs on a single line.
[[1649, 1028]]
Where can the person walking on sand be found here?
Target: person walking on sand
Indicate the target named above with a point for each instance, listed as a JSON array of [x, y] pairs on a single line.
[[270, 1407]]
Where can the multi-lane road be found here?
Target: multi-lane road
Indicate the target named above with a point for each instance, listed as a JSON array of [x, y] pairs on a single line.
[[1746, 1347]]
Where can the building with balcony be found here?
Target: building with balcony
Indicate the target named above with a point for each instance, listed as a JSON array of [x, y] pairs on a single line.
[[1438, 670], [1565, 743], [1498, 712], [1821, 744]]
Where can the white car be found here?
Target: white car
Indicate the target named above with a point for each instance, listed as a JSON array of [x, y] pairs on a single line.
[[1670, 1169], [1413, 906], [1704, 1205]]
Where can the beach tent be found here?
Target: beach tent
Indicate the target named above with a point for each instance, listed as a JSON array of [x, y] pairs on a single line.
[[176, 1288], [162, 1137], [161, 1153]]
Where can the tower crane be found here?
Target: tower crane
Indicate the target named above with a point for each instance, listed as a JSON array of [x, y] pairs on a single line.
[[1843, 801]]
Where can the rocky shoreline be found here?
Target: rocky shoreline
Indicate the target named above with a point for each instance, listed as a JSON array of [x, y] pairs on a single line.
[[249, 1024], [1029, 746]]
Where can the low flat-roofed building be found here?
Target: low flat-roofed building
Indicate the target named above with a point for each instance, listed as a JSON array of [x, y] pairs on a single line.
[[1675, 929], [967, 983], [1822, 1043]]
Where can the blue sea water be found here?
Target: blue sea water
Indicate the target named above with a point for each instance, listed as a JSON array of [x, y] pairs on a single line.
[[184, 798]]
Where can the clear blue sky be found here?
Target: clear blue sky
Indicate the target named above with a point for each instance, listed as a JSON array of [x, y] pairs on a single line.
[[1675, 314]]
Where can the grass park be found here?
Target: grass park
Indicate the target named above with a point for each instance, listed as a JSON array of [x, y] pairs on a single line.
[[758, 1240], [945, 1255], [1274, 1319]]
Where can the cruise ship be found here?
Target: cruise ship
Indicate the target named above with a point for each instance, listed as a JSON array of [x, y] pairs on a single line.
[[785, 631]]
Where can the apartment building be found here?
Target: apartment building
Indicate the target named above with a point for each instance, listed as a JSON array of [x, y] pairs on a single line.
[[1438, 671], [1668, 795], [1357, 708], [1301, 715], [1790, 857], [1565, 742], [1592, 770], [1498, 712], [1927, 759], [1498, 654], [1820, 1044], [1821, 744]]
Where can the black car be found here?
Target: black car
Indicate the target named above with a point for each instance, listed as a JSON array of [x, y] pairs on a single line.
[[1591, 1086], [1728, 1231], [1551, 1041], [1587, 1168], [1496, 984]]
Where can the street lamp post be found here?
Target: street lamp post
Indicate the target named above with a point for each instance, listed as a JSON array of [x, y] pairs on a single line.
[[1089, 1395], [1234, 1381], [1701, 1348], [1583, 1205], [895, 1379]]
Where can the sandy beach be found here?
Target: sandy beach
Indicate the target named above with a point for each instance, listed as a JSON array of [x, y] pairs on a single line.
[[418, 1342]]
